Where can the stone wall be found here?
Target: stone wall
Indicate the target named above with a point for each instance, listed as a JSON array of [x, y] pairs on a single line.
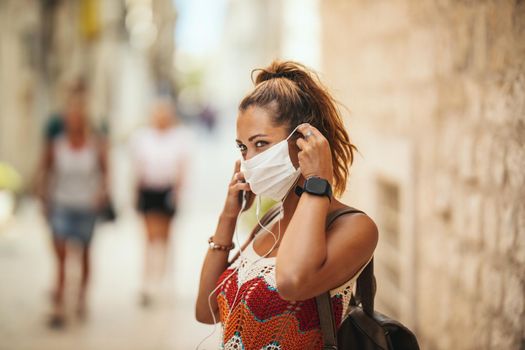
[[19, 23], [446, 79]]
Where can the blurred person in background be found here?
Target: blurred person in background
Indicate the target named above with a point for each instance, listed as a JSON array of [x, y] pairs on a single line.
[[55, 122], [294, 149], [160, 154], [73, 189], [208, 117]]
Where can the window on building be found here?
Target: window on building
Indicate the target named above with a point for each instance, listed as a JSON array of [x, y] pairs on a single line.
[[383, 185]]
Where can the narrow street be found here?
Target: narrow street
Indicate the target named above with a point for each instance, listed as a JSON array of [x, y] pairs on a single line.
[[116, 320], [423, 107]]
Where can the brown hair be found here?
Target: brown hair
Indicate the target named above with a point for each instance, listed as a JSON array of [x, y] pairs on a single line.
[[293, 94]]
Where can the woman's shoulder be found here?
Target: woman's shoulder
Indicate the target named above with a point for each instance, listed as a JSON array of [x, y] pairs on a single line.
[[343, 212], [354, 224]]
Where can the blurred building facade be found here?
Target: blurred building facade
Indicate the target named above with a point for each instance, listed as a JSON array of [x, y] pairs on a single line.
[[45, 46], [255, 33], [244, 46], [436, 91], [19, 25]]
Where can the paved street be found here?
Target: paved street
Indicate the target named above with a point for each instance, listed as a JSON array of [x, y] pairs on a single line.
[[116, 320]]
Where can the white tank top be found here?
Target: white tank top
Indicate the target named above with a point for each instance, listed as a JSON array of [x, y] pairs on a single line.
[[76, 174], [159, 154]]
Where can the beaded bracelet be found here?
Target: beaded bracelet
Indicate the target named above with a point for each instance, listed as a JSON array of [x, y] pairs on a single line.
[[215, 246]]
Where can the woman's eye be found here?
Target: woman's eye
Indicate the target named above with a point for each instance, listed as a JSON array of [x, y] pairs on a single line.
[[242, 148], [261, 143]]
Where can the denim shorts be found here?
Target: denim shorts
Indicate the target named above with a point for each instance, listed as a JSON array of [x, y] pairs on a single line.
[[73, 224]]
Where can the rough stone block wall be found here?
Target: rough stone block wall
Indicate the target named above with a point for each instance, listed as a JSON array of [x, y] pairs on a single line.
[[449, 76]]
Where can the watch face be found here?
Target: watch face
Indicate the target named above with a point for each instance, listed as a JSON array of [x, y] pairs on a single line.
[[317, 185]]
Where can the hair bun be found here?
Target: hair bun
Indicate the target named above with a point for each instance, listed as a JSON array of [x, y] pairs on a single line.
[[279, 75], [298, 98], [280, 69]]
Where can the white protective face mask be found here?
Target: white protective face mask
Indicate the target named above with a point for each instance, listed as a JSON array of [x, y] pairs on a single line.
[[271, 173]]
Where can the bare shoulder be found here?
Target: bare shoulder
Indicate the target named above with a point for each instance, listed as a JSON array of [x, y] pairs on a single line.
[[357, 230]]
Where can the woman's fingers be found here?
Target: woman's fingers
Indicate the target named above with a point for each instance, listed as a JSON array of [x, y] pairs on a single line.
[[314, 155], [301, 143], [236, 170], [237, 166], [305, 129], [241, 186], [238, 177], [310, 132]]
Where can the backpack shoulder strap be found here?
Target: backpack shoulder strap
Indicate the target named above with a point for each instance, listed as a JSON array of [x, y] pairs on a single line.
[[366, 288], [338, 212], [326, 321], [323, 301]]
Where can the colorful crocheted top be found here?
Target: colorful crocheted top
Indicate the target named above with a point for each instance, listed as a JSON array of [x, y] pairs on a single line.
[[254, 317]]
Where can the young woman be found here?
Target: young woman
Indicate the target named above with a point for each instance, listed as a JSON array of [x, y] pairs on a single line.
[[160, 153], [295, 150], [73, 190]]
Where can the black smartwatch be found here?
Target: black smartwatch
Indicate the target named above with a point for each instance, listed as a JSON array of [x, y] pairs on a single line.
[[316, 186]]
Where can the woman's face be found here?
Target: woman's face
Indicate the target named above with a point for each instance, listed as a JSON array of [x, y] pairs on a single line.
[[162, 116], [256, 133], [75, 117]]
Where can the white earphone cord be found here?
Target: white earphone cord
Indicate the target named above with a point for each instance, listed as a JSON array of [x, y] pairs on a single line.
[[241, 256], [224, 281]]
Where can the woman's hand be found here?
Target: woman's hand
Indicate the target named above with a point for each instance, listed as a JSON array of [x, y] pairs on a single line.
[[216, 261], [315, 158], [101, 198], [232, 207]]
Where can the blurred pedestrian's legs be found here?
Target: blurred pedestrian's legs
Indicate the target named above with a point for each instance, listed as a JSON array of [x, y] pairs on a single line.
[[157, 231], [57, 316]]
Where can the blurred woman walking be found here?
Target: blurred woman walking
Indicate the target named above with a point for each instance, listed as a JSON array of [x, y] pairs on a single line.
[[160, 158], [73, 190]]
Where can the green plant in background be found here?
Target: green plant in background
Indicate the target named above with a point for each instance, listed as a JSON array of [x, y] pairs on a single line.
[[249, 219], [10, 182], [10, 179]]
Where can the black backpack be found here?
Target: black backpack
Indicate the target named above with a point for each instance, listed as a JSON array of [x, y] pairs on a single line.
[[364, 328]]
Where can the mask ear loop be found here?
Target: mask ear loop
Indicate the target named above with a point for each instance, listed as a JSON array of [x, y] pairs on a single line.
[[293, 131]]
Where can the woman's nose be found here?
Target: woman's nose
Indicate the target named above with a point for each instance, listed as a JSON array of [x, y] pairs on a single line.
[[250, 154]]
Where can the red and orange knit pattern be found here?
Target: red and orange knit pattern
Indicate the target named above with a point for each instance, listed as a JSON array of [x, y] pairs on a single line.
[[255, 317]]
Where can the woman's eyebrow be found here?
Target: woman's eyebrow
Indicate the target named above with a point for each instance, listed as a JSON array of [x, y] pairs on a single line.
[[251, 138], [254, 136]]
